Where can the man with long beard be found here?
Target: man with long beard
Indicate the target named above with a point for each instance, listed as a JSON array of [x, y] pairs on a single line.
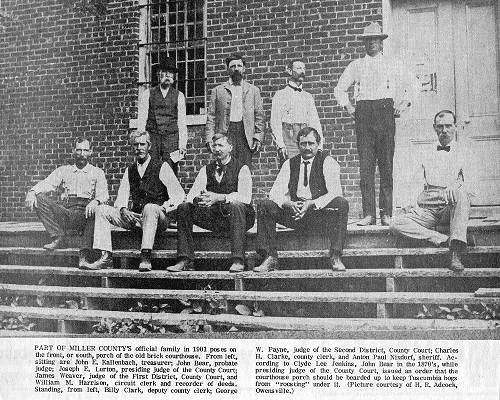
[[162, 113], [293, 109], [235, 110]]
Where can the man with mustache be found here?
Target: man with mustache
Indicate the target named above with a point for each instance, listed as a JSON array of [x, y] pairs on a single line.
[[84, 188], [162, 113], [235, 109], [447, 186], [293, 109], [155, 193], [219, 200], [307, 197], [383, 89]]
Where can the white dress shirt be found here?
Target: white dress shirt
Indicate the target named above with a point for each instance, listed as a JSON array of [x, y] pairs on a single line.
[[236, 112], [143, 109], [167, 177], [331, 171], [374, 78], [88, 182], [293, 106], [243, 195]]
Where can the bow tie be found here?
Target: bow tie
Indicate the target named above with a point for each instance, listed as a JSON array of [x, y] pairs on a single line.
[[219, 169], [297, 89], [445, 148]]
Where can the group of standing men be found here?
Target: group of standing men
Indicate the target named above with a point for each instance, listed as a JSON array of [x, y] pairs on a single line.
[[306, 196]]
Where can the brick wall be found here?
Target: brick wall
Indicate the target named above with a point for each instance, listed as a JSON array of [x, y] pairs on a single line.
[[67, 72]]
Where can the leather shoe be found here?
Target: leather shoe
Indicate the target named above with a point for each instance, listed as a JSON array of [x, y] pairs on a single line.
[[368, 220], [58, 243], [106, 261], [336, 263], [455, 262], [237, 266], [385, 220], [184, 264], [82, 259], [269, 264], [145, 264]]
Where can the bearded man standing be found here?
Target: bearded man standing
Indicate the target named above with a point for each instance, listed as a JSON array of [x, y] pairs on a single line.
[[235, 110]]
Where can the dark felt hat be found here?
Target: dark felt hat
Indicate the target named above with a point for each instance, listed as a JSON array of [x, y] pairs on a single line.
[[166, 64]]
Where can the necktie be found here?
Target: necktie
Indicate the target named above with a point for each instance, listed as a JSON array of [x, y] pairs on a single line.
[[297, 89], [219, 169], [306, 179], [445, 148]]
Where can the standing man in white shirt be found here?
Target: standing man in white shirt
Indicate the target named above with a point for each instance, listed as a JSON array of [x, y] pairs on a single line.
[[219, 200], [155, 192], [383, 88], [293, 109], [307, 197], [162, 113], [83, 187], [235, 109], [447, 185]]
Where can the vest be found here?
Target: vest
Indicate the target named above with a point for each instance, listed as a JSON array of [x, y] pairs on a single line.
[[229, 182], [317, 183], [162, 114], [149, 188]]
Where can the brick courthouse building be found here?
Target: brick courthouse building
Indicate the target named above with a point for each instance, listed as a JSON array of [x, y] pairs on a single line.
[[75, 67]]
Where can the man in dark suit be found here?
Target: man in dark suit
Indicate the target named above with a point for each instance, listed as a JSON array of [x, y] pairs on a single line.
[[219, 200], [306, 196]]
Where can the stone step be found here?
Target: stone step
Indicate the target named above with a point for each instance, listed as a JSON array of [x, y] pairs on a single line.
[[261, 296], [249, 275], [251, 322]]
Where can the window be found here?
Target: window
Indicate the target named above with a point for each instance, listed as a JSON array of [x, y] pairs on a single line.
[[177, 28]]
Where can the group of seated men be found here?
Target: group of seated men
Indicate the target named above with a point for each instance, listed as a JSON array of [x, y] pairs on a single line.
[[306, 196]]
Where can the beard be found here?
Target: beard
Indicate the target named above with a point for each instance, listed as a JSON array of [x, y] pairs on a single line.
[[236, 77], [165, 84]]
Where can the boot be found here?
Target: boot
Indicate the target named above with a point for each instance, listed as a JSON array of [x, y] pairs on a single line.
[[237, 266], [106, 261], [336, 263], [184, 264], [82, 259], [59, 242], [145, 265], [368, 220], [269, 264], [455, 262]]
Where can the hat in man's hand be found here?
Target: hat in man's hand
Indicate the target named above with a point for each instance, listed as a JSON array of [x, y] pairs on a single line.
[[166, 64], [374, 30]]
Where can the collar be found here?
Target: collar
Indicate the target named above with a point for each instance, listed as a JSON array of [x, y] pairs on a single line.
[[85, 169], [294, 86], [164, 91], [310, 160], [144, 164], [378, 56], [224, 163]]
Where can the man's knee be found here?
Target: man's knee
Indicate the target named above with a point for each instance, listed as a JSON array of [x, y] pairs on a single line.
[[151, 210], [397, 223], [266, 207], [184, 208], [341, 203]]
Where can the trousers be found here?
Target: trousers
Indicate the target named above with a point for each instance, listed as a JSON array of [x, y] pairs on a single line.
[[162, 146], [59, 216], [241, 150], [420, 222], [152, 218], [234, 218], [375, 129], [332, 223]]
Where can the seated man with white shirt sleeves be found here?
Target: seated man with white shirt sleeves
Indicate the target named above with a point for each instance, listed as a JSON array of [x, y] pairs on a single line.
[[293, 109], [306, 196], [219, 200], [155, 192], [446, 186]]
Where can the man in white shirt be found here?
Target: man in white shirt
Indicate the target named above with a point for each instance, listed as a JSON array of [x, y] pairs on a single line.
[[383, 88], [307, 197], [162, 113], [219, 200], [447, 185], [293, 109], [235, 109], [155, 192]]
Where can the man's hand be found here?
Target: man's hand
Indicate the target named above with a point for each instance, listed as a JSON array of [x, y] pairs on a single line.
[[294, 206], [30, 200], [399, 108], [449, 193], [90, 209], [208, 199], [182, 152], [306, 205], [283, 154], [256, 146], [129, 216], [350, 109], [208, 145]]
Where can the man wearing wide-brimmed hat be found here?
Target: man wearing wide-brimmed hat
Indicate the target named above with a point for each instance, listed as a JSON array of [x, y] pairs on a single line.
[[162, 113], [383, 88]]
